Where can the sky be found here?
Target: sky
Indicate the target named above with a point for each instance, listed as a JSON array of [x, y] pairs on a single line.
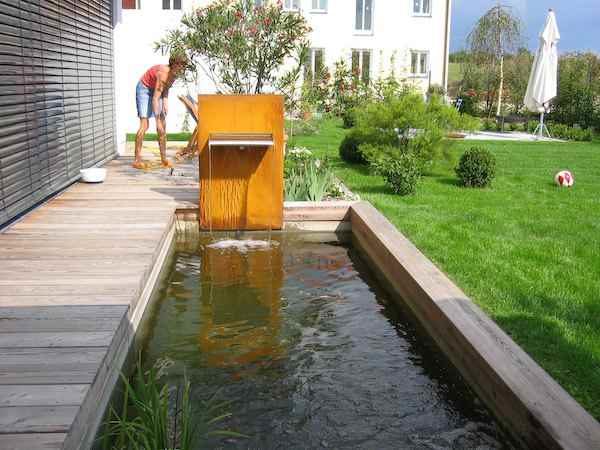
[[578, 21]]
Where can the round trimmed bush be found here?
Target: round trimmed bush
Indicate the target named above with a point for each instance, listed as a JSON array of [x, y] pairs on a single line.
[[476, 168], [401, 174], [349, 148]]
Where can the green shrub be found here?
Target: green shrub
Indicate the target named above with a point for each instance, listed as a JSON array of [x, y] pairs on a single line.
[[531, 126], [348, 118], [304, 127], [561, 131], [406, 122], [489, 125], [349, 148], [476, 168], [401, 173]]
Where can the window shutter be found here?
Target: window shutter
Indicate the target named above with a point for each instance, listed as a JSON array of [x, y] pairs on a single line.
[[56, 113]]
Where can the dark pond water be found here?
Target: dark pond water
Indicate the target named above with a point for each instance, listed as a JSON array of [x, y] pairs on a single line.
[[310, 351]]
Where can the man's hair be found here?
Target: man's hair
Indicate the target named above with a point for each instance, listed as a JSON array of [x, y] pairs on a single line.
[[178, 59]]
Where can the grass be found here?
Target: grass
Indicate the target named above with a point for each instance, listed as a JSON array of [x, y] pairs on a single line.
[[182, 136], [454, 73], [525, 251]]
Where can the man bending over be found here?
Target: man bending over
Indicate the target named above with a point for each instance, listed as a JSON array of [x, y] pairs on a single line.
[[152, 100]]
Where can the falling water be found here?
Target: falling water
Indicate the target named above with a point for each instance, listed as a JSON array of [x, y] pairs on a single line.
[[210, 192]]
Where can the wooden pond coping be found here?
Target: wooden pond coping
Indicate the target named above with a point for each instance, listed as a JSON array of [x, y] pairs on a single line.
[[531, 405], [77, 273]]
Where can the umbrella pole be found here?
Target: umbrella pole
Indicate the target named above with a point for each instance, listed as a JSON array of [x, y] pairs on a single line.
[[541, 127]]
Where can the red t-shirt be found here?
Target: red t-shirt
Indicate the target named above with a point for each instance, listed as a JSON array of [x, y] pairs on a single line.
[[149, 78]]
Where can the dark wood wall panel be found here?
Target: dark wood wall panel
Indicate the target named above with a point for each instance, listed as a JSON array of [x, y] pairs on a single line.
[[56, 108]]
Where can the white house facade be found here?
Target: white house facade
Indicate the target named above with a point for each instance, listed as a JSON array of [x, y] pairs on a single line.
[[372, 36]]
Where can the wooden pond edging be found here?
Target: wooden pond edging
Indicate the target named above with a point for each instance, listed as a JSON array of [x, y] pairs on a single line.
[[531, 405]]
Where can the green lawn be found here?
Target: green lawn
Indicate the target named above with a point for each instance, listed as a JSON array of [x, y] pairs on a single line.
[[527, 252], [454, 73], [182, 136]]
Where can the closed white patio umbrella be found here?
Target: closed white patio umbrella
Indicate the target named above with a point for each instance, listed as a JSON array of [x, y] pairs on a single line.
[[543, 80]]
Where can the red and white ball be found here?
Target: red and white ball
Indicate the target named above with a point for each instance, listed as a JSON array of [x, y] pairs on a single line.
[[564, 178]]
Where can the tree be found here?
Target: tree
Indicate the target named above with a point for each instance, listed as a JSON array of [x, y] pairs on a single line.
[[518, 68], [578, 100], [239, 45], [497, 33]]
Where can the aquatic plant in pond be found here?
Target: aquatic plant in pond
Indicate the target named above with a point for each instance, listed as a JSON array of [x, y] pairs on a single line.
[[146, 419], [158, 415]]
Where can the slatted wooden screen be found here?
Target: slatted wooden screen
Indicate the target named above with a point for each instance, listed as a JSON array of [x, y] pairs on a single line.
[[56, 106]]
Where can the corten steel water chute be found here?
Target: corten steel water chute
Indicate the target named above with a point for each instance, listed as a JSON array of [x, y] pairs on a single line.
[[241, 144]]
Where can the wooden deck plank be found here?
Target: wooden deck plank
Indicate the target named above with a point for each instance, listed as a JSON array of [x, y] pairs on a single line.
[[26, 301], [61, 318], [37, 441], [21, 366], [56, 339], [37, 419], [57, 395], [70, 290]]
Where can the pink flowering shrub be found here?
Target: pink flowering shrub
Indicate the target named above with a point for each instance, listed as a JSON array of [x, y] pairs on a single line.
[[240, 46]]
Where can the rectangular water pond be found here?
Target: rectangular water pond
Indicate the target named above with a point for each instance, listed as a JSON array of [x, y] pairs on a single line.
[[309, 349]]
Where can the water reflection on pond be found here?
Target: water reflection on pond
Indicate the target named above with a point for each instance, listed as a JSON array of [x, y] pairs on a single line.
[[310, 350]]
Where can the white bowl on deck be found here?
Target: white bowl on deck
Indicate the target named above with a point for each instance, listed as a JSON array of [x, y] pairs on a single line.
[[93, 175]]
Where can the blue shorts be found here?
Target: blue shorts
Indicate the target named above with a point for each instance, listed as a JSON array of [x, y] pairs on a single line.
[[143, 101]]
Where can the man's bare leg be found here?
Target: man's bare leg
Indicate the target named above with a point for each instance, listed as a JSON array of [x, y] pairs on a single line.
[[161, 129], [139, 139]]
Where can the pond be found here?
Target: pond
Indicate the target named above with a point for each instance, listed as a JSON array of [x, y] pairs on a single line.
[[309, 349]]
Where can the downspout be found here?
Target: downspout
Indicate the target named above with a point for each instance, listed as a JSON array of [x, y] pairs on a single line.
[[447, 45]]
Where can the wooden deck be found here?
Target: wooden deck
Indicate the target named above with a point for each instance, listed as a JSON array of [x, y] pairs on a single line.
[[71, 276]]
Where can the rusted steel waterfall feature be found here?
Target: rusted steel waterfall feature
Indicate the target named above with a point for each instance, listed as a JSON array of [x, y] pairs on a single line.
[[241, 140]]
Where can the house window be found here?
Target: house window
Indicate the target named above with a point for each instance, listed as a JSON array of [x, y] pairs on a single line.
[[315, 64], [419, 63], [131, 4], [291, 5], [364, 15], [422, 7], [361, 64], [319, 5], [171, 4]]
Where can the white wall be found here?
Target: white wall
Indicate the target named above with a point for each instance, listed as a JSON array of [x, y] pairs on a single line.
[[396, 31]]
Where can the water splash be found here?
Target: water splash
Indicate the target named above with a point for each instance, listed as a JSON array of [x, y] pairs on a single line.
[[244, 245]]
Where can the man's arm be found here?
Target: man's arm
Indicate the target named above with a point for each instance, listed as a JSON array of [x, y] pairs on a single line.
[[160, 91]]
